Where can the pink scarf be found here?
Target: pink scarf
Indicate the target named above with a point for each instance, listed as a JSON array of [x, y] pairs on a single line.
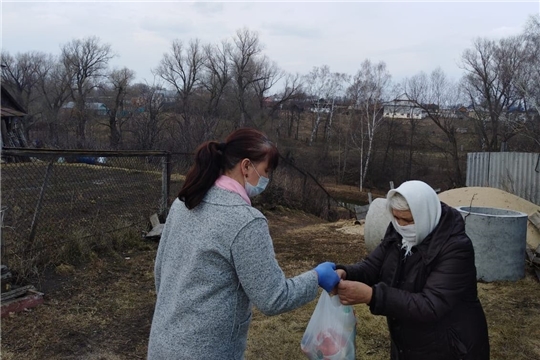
[[226, 183]]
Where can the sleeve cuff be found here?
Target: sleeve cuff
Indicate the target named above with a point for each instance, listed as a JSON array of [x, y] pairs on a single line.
[[377, 299]]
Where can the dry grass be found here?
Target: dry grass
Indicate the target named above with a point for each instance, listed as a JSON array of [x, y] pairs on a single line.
[[103, 310]]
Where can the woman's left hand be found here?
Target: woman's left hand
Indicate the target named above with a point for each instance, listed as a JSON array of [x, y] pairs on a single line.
[[354, 292]]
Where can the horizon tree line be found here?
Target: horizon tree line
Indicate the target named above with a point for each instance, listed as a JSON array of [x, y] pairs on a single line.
[[201, 91]]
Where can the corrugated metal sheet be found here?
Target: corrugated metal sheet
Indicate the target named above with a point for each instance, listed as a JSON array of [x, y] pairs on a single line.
[[517, 173]]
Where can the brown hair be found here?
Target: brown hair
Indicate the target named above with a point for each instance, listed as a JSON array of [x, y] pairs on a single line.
[[213, 158]]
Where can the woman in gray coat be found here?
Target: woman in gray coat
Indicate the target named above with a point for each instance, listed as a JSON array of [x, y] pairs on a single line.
[[216, 258]]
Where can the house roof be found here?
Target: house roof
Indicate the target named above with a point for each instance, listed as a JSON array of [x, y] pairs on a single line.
[[5, 111], [10, 105]]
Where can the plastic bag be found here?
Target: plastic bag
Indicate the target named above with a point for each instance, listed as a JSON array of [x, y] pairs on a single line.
[[331, 331]]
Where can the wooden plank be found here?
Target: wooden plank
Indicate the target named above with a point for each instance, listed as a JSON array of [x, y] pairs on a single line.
[[535, 219], [530, 254], [16, 292], [154, 220], [155, 232], [533, 258], [26, 302]]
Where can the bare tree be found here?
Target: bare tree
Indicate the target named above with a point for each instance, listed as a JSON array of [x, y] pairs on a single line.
[[217, 76], [147, 125], [269, 74], [116, 91], [55, 89], [21, 73], [245, 69], [528, 80], [182, 69], [368, 92], [337, 84], [86, 60], [438, 97], [323, 87], [491, 68], [292, 90]]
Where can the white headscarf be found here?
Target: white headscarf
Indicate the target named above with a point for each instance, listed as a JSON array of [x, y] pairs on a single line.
[[425, 208]]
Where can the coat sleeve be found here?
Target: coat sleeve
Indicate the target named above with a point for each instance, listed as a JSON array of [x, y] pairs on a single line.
[[261, 277], [368, 270], [452, 273]]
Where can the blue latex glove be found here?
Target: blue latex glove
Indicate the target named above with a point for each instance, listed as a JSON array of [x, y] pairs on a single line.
[[328, 278]]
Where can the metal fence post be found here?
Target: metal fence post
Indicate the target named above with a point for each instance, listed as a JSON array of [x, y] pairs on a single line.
[[38, 207], [165, 184]]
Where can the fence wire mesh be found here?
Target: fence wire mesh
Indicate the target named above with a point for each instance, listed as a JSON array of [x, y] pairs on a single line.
[[52, 199], [296, 188]]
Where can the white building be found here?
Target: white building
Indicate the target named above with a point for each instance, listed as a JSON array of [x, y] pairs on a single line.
[[403, 108]]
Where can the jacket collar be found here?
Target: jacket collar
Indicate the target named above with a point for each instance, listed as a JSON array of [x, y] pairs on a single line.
[[451, 223], [218, 196]]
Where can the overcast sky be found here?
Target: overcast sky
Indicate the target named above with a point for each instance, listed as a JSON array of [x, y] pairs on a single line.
[[409, 36]]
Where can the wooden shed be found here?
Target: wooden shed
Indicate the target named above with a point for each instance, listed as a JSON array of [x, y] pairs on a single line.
[[12, 114]]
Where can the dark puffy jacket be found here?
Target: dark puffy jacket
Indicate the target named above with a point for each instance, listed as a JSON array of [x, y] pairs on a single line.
[[430, 297]]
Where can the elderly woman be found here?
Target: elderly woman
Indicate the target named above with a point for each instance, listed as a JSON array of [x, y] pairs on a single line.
[[422, 277]]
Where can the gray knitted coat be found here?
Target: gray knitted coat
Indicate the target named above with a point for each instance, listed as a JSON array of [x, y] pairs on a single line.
[[212, 264]]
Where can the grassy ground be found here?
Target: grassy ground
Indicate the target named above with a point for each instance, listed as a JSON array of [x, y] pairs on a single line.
[[103, 310]]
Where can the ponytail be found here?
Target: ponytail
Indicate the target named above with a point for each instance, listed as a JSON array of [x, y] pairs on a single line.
[[202, 175], [213, 158]]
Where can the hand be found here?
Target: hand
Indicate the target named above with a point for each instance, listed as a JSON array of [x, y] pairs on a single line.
[[354, 292], [342, 274], [328, 278]]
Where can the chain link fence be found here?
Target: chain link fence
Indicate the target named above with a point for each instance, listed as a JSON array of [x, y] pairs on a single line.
[[296, 188], [55, 201], [51, 198]]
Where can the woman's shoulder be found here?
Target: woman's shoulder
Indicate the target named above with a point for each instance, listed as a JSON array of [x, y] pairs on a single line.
[[231, 204]]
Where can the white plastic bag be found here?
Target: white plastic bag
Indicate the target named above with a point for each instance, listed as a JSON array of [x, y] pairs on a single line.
[[331, 331]]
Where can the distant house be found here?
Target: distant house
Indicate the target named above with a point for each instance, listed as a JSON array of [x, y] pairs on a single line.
[[271, 101], [166, 96], [97, 108], [159, 98], [12, 114], [403, 108], [321, 106]]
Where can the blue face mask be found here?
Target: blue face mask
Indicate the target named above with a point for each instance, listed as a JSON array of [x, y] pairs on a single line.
[[259, 188]]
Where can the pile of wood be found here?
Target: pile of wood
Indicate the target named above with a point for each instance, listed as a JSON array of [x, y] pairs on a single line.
[[533, 256], [17, 298]]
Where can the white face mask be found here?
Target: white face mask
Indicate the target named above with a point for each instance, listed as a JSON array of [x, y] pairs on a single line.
[[259, 188], [408, 232]]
